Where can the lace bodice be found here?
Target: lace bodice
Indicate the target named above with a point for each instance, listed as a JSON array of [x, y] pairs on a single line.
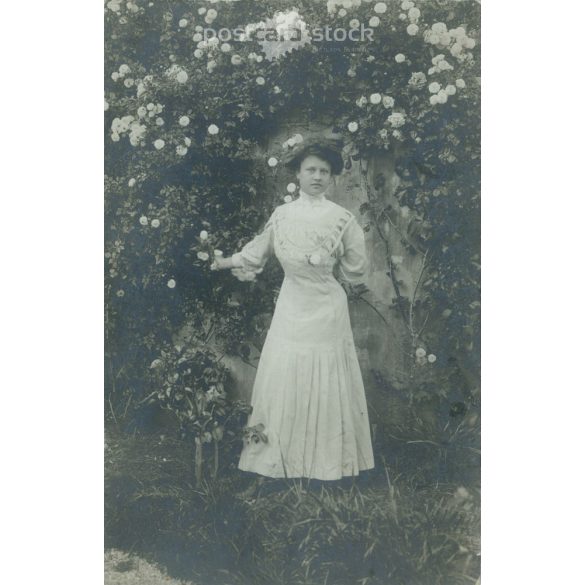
[[311, 240]]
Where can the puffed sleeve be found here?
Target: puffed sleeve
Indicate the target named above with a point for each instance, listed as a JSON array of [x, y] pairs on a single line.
[[250, 260], [353, 261]]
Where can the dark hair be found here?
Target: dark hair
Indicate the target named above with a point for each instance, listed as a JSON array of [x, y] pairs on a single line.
[[324, 152]]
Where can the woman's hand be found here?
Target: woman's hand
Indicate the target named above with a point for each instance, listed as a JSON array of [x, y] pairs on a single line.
[[220, 263]]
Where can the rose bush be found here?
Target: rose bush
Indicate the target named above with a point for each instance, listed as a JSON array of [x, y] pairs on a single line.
[[187, 172]]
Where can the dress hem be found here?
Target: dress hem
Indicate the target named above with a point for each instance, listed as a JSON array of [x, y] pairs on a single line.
[[335, 477]]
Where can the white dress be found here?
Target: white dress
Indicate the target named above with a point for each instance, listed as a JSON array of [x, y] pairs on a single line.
[[308, 391]]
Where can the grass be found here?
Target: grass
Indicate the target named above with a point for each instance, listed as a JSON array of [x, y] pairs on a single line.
[[382, 527]]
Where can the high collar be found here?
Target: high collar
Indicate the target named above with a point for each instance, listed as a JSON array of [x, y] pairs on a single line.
[[312, 200]]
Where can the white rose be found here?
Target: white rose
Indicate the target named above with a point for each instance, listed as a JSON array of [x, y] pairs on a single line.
[[217, 253], [374, 21], [442, 96], [351, 72], [141, 111], [407, 4], [383, 133], [182, 76], [434, 100], [143, 220], [354, 23], [124, 69], [388, 101], [380, 7], [213, 129], [291, 187], [197, 37], [444, 65], [260, 80], [225, 47], [451, 89], [439, 28], [468, 43], [203, 235], [396, 120], [184, 121], [159, 143], [159, 122], [400, 58], [236, 60], [375, 98], [434, 39], [434, 87], [315, 259], [131, 182], [203, 256], [155, 223], [287, 198], [414, 13], [456, 49], [412, 29], [420, 352], [115, 76], [183, 22], [181, 150], [272, 162], [352, 126], [460, 83], [457, 33], [342, 12], [171, 283], [298, 138], [201, 11], [115, 137], [432, 358], [402, 16], [187, 141], [198, 53], [445, 38]]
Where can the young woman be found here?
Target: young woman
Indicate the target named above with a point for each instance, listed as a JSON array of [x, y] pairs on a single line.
[[308, 396]]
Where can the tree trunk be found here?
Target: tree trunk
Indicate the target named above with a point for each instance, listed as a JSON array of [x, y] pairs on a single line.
[[198, 461]]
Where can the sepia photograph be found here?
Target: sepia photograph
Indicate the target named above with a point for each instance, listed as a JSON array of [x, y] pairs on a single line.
[[292, 248]]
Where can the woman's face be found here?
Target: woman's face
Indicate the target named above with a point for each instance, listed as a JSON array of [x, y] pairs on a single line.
[[314, 175]]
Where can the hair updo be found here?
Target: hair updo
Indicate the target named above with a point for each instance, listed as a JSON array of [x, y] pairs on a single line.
[[323, 151]]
